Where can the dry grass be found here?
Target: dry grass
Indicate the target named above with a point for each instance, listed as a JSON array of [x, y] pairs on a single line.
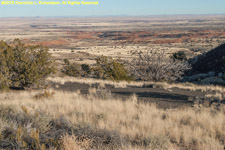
[[219, 96], [90, 81], [129, 124], [70, 142]]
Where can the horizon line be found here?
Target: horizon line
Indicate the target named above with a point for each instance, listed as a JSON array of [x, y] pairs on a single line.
[[123, 15]]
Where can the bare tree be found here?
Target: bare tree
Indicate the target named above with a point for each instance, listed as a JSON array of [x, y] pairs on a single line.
[[156, 66]]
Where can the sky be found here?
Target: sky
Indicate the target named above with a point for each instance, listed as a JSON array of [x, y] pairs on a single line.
[[117, 8]]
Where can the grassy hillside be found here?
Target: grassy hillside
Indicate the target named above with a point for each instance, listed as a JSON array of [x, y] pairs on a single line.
[[63, 120]]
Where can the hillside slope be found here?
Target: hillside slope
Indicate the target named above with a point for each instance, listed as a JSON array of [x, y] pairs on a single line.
[[212, 61]]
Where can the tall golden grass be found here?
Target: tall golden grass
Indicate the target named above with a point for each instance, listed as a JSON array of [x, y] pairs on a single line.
[[137, 122]]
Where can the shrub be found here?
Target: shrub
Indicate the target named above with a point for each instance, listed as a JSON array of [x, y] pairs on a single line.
[[77, 70], [86, 69], [156, 66], [107, 68], [73, 70], [24, 66], [4, 82], [66, 61], [179, 56], [6, 63]]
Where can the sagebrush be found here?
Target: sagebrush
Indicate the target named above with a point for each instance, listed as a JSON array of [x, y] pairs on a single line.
[[157, 66]]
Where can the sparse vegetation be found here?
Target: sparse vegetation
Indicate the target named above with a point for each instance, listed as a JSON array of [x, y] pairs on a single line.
[[105, 68], [23, 66]]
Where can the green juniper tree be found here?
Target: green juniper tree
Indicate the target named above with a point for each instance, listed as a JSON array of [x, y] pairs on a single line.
[[23, 66]]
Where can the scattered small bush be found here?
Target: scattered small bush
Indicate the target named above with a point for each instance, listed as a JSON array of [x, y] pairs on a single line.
[[76, 70], [107, 68], [179, 56], [73, 70]]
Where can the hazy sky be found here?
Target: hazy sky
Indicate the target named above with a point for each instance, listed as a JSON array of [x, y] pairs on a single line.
[[118, 7]]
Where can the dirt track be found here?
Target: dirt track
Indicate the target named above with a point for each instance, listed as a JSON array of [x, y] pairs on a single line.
[[163, 98]]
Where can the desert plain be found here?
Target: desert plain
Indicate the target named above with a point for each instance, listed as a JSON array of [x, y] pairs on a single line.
[[85, 113]]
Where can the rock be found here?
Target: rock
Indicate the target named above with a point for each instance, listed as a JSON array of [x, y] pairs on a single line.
[[213, 80], [220, 75]]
